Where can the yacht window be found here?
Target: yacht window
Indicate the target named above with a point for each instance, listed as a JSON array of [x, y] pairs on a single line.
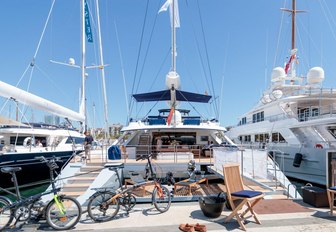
[[243, 121], [277, 138], [332, 131], [258, 117], [76, 140], [315, 112], [204, 138]]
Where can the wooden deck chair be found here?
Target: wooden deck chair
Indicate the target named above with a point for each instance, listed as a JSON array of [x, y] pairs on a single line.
[[235, 191]]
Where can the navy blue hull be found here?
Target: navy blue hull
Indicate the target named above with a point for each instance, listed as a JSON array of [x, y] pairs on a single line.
[[33, 171]]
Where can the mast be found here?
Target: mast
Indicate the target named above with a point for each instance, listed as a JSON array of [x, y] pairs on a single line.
[[292, 59], [83, 97], [101, 61], [173, 37]]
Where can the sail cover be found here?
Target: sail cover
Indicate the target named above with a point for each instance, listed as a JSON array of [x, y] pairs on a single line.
[[164, 95], [32, 100]]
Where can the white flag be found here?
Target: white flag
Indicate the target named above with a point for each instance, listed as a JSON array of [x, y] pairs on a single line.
[[174, 16], [165, 6]]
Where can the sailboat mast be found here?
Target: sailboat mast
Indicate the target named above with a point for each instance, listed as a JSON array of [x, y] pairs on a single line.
[[83, 97], [101, 61], [173, 37]]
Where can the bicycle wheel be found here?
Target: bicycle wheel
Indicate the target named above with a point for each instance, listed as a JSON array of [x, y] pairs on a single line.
[[99, 210], [64, 214], [6, 216], [161, 198]]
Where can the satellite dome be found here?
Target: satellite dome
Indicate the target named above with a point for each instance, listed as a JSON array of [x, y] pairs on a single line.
[[315, 75], [266, 99], [278, 73], [277, 94]]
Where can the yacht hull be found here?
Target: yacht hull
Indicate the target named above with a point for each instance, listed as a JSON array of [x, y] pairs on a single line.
[[33, 171]]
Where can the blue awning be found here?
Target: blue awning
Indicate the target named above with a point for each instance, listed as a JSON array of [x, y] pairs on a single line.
[[164, 95]]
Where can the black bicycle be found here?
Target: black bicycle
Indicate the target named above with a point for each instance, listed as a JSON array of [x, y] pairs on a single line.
[[61, 213], [105, 204]]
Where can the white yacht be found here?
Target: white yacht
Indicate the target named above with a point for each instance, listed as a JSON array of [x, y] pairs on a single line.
[[173, 134], [20, 142], [295, 119]]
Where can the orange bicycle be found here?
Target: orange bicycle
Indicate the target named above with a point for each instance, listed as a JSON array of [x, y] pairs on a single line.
[[104, 205]]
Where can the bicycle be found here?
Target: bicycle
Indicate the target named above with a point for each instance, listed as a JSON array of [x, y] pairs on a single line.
[[104, 205], [61, 213]]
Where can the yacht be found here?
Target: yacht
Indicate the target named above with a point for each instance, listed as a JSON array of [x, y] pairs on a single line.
[[174, 133], [19, 145], [294, 120]]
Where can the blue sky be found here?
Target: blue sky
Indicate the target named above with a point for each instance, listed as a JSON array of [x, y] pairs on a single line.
[[226, 48]]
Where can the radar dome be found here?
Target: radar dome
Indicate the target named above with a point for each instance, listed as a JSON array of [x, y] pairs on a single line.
[[315, 75], [172, 79]]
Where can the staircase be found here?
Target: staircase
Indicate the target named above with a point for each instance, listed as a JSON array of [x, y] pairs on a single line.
[[144, 145], [79, 183]]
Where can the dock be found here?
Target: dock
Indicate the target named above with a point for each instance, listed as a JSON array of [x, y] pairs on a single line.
[[294, 216], [277, 212]]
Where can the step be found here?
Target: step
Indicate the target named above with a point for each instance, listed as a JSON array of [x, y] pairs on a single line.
[[74, 194], [86, 174], [82, 180], [91, 168], [80, 187]]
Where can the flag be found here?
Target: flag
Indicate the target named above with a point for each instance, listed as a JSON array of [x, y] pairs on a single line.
[[88, 30], [173, 16], [289, 62], [170, 116]]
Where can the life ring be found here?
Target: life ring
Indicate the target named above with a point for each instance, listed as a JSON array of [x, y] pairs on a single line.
[[318, 145], [28, 141]]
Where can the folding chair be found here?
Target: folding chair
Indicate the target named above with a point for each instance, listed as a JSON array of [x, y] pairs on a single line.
[[235, 191]]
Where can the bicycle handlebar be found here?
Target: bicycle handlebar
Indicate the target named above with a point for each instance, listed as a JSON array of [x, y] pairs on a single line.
[[142, 157]]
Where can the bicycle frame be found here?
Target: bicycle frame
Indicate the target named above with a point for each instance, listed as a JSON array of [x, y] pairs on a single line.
[[21, 201]]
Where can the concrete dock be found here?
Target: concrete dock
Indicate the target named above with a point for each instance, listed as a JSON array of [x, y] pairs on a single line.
[[144, 218]]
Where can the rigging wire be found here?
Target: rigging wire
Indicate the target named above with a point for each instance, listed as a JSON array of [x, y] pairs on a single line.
[[279, 34], [122, 71], [223, 78], [139, 52], [326, 14], [208, 60]]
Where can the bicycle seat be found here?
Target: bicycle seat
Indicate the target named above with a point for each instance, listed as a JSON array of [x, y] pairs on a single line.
[[10, 169]]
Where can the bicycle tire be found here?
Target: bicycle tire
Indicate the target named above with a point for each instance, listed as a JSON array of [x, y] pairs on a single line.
[[59, 220], [6, 216], [99, 210], [162, 204]]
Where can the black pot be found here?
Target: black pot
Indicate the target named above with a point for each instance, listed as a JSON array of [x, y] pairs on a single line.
[[212, 206]]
